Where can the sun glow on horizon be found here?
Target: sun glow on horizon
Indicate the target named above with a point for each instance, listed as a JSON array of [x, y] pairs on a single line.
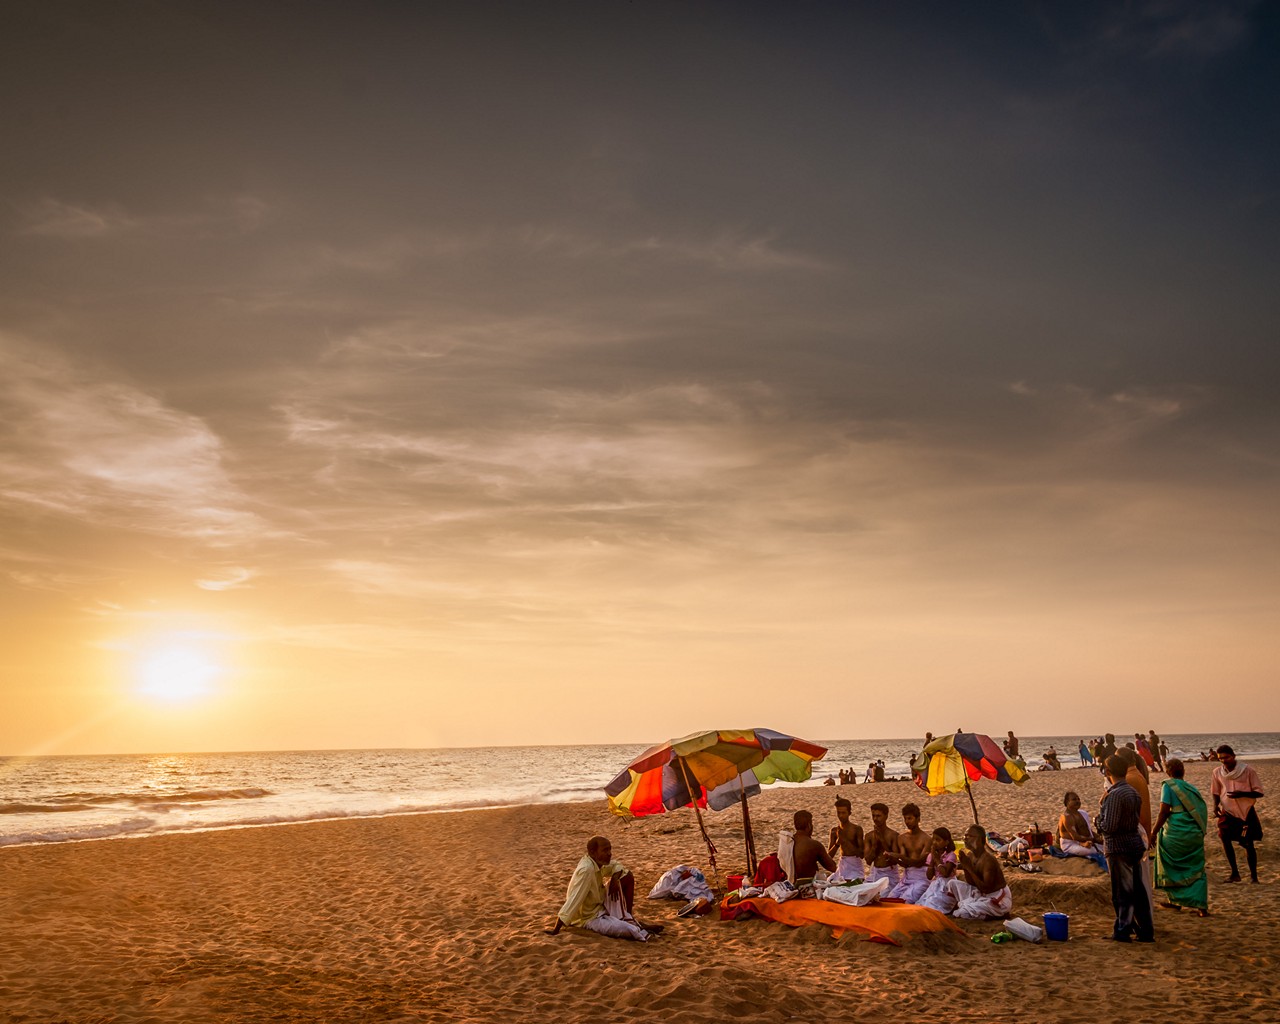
[[176, 672]]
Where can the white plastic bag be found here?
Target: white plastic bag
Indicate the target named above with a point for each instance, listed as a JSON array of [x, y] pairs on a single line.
[[781, 891], [1023, 930], [857, 895]]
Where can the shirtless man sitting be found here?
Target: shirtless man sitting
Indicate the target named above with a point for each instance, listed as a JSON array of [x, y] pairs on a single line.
[[911, 849], [1075, 837], [881, 844], [983, 893], [847, 843], [808, 852]]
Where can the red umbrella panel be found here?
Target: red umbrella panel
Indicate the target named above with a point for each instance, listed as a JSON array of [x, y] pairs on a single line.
[[951, 763]]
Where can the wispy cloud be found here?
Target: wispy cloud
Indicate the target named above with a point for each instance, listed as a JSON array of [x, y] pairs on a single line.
[[50, 217], [84, 445], [1181, 28], [53, 218], [725, 249], [230, 579]]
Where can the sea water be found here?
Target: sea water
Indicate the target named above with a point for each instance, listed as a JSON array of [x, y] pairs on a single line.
[[71, 798]]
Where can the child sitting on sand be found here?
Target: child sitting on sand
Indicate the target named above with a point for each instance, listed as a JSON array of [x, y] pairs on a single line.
[[940, 866]]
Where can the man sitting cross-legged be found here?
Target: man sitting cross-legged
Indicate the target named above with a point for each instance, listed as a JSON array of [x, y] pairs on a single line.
[[600, 897], [911, 850], [847, 843], [881, 843], [1075, 836], [983, 893]]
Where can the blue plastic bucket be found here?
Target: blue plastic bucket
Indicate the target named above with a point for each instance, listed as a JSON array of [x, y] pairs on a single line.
[[1055, 927]]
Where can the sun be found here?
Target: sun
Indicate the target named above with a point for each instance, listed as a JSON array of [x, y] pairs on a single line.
[[176, 672]]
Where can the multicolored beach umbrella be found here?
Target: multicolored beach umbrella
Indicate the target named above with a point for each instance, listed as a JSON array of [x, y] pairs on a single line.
[[952, 763], [716, 769]]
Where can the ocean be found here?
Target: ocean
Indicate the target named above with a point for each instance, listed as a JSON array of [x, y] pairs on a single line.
[[90, 797]]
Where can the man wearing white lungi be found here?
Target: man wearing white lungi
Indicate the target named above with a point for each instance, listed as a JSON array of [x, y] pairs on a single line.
[[983, 893], [848, 843]]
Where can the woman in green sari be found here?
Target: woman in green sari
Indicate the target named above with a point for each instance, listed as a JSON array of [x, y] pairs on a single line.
[[1180, 842]]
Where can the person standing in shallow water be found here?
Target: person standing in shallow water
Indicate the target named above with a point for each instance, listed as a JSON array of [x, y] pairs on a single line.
[[1153, 742]]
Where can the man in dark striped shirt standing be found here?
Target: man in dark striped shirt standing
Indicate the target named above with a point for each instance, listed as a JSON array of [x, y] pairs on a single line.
[[1118, 821]]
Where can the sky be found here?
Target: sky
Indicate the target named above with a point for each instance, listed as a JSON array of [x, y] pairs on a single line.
[[399, 375]]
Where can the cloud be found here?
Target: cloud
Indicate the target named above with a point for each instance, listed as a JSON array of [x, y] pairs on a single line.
[[80, 444], [53, 218], [50, 217], [721, 250], [229, 580], [1181, 29]]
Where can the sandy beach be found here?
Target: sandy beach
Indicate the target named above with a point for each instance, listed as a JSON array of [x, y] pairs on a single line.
[[439, 917]]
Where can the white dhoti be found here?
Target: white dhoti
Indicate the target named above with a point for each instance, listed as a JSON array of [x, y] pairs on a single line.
[[1073, 849], [614, 921], [973, 905], [850, 869], [939, 896], [890, 872], [912, 886]]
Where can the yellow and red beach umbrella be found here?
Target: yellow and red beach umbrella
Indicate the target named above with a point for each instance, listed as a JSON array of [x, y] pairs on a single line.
[[953, 763]]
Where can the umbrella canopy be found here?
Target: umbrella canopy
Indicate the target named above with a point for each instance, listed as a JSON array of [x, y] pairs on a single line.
[[789, 760], [681, 772], [951, 763], [715, 768]]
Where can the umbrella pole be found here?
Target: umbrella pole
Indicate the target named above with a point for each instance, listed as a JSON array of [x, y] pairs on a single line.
[[711, 847], [747, 834], [969, 789]]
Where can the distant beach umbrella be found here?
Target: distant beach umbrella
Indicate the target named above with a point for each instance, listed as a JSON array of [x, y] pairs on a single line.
[[953, 763], [711, 769]]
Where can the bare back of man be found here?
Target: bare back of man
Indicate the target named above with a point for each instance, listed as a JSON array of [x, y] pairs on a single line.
[[808, 852]]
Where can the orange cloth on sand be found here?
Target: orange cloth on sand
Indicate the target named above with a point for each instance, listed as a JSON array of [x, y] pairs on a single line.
[[879, 921]]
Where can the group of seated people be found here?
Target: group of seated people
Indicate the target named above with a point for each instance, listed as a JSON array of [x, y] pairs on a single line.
[[921, 867]]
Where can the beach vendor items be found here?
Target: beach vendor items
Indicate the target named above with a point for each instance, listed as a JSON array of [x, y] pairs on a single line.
[[600, 896], [1236, 788], [1179, 829]]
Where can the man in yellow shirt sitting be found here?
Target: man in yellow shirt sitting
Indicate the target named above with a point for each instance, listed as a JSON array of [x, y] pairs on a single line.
[[600, 897]]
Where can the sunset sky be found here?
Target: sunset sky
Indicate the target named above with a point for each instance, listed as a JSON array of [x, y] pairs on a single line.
[[415, 375]]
